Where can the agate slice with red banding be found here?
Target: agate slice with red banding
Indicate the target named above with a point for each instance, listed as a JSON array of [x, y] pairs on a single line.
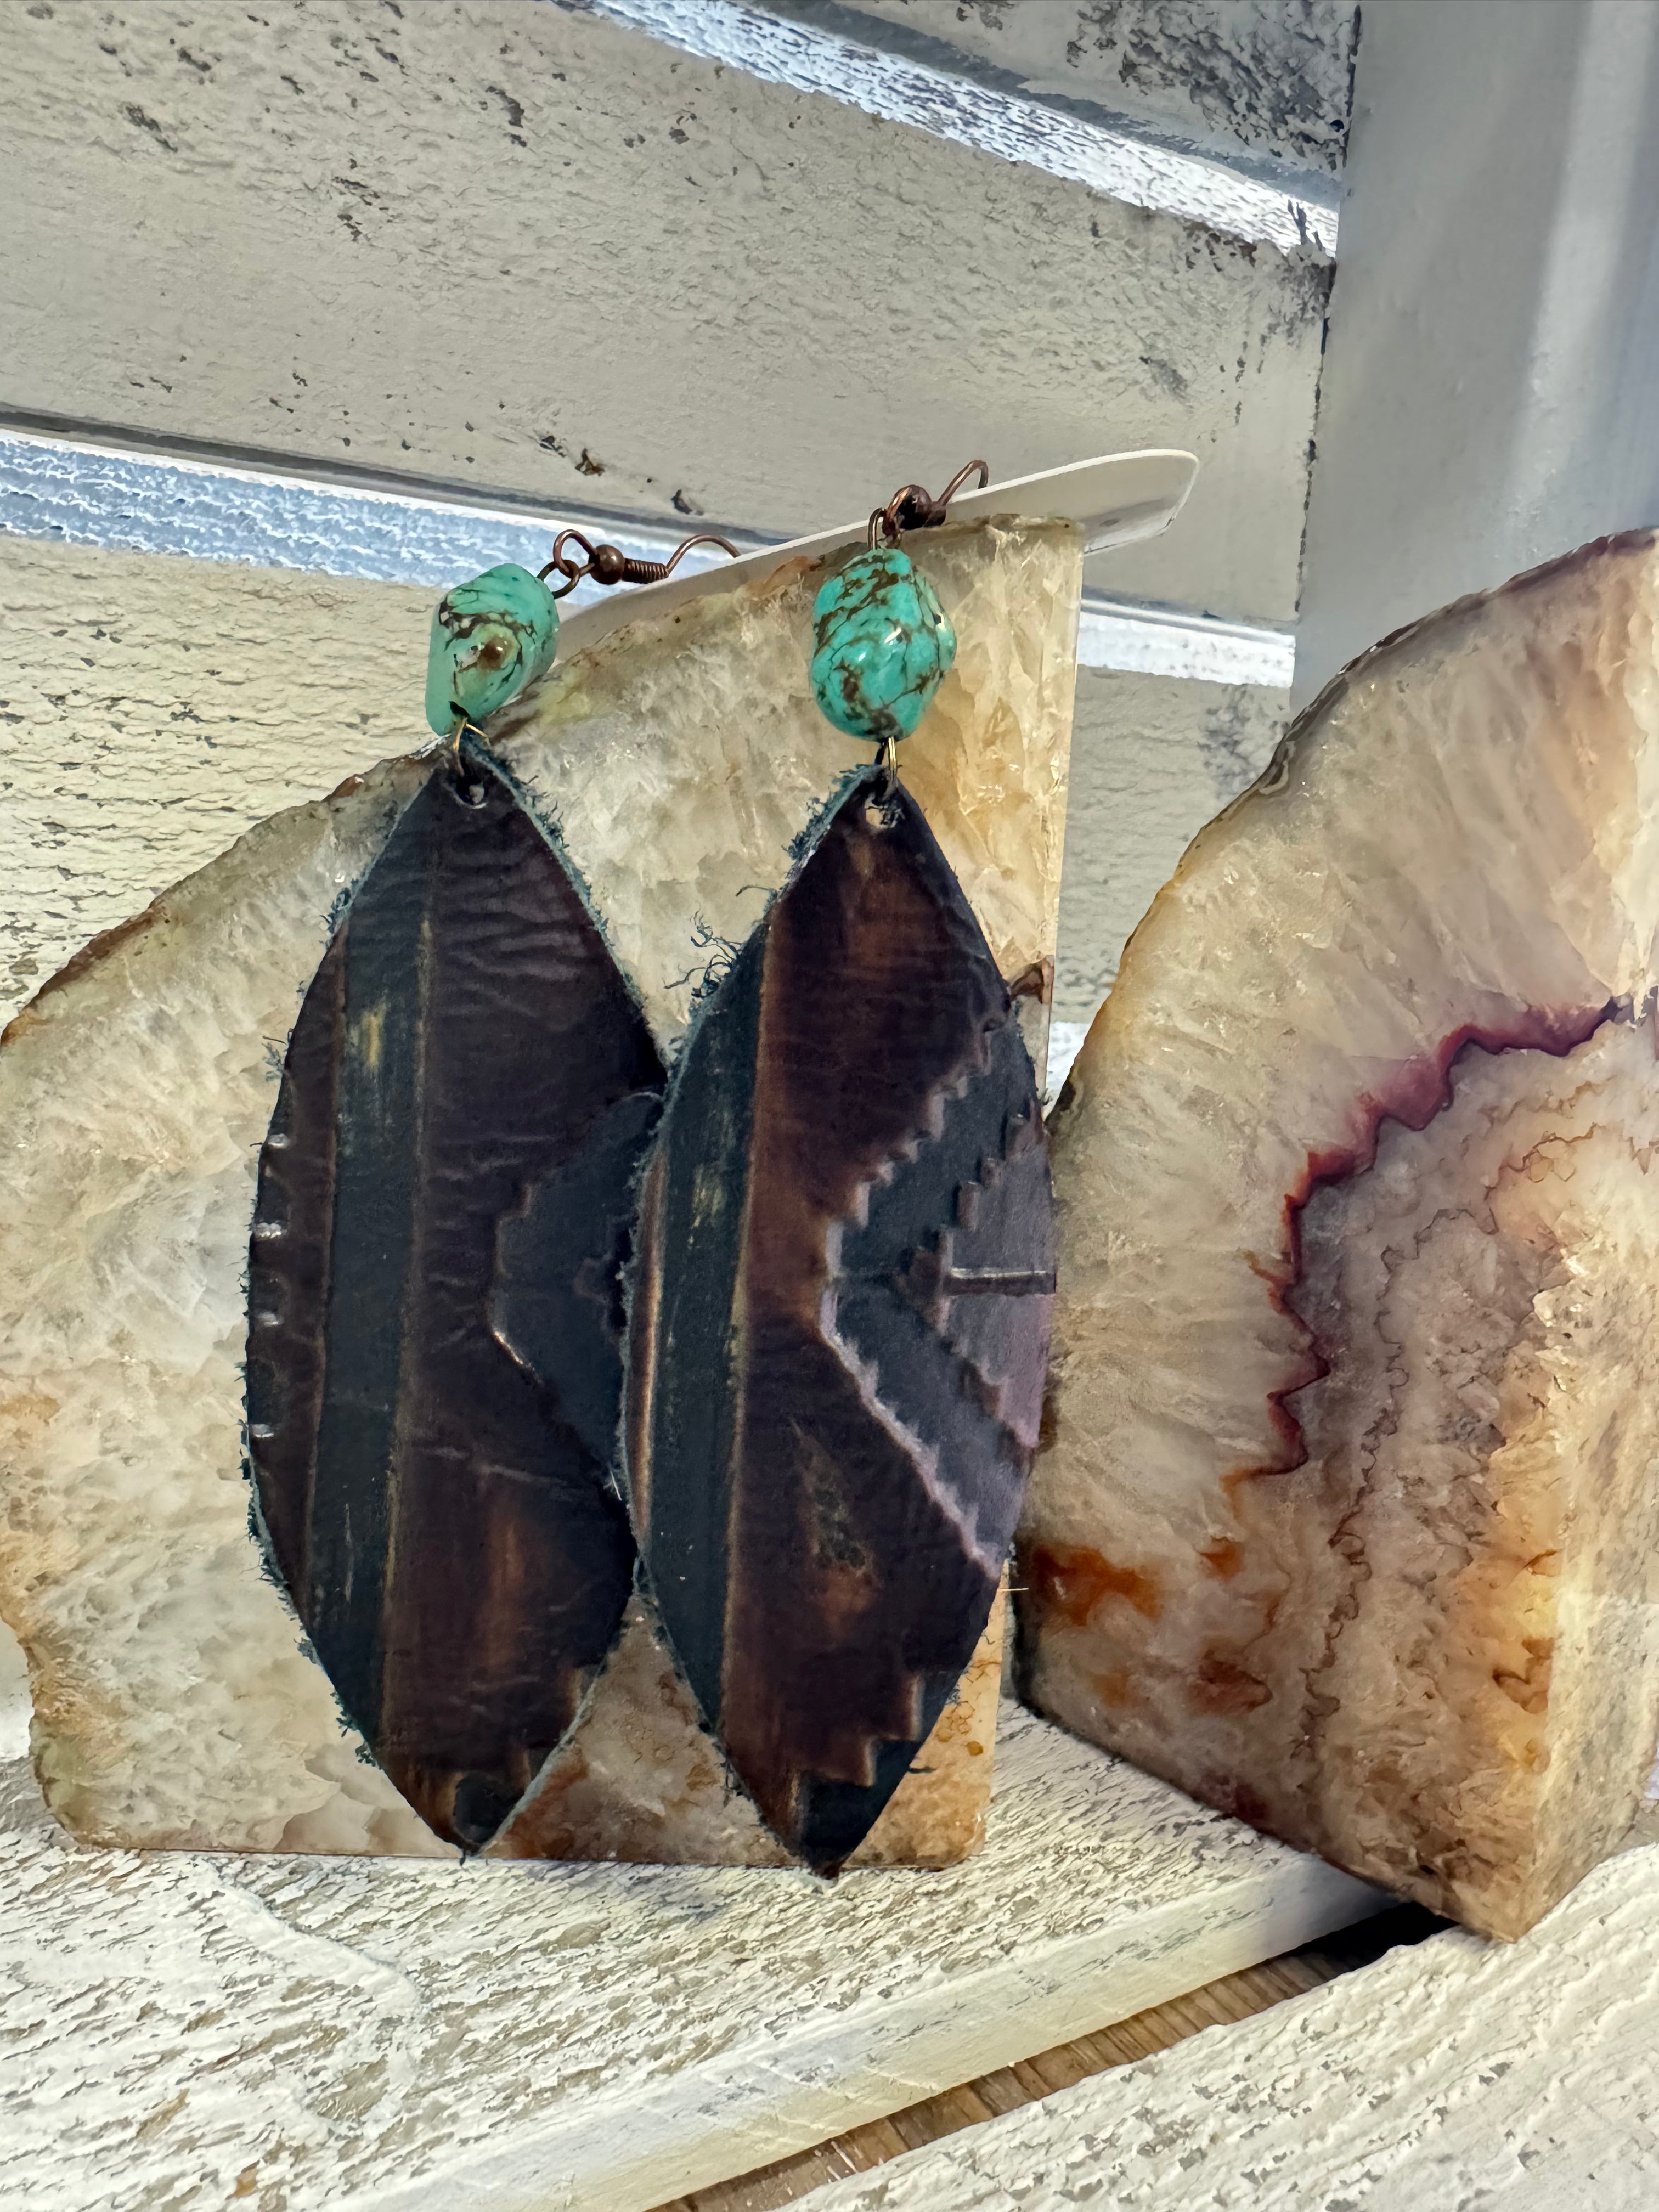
[[840, 1325], [1349, 1522], [435, 1373]]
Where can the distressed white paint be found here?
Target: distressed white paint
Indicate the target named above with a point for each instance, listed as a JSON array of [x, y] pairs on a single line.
[[317, 2036], [154, 709], [1455, 2076], [1130, 167], [1261, 82], [1488, 395], [503, 247], [1065, 1043], [71, 491], [1152, 761], [15, 1706]]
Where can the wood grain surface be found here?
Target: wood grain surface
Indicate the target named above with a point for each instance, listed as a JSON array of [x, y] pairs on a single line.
[[391, 2033], [1233, 74], [1449, 2075], [1221, 2003]]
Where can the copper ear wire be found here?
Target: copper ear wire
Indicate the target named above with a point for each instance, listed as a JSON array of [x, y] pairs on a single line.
[[609, 564], [913, 506]]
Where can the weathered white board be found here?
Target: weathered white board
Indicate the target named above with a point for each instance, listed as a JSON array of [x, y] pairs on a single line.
[[154, 707], [1455, 2076], [1255, 76], [501, 245], [311, 2036]]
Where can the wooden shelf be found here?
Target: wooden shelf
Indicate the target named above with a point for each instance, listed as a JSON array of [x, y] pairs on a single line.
[[325, 2033], [1219, 2004], [1453, 2072]]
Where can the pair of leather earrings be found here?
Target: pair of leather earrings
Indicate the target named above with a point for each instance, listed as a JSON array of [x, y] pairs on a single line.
[[528, 1319]]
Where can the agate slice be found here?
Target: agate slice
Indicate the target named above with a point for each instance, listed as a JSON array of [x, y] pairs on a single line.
[[1350, 1522], [840, 1325], [435, 1374]]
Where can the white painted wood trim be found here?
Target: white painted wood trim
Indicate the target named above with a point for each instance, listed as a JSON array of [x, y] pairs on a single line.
[[581, 2038], [1122, 163], [87, 486], [771, 356], [1487, 395], [1251, 85], [283, 517], [1451, 2074], [1147, 640]]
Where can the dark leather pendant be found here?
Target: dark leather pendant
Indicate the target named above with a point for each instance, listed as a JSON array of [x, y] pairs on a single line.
[[434, 1368], [840, 1325]]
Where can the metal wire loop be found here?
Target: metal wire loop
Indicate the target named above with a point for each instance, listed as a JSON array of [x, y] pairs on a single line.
[[465, 789], [913, 506], [609, 564]]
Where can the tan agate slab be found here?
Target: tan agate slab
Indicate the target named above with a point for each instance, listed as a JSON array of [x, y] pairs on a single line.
[[176, 1703], [1349, 1518]]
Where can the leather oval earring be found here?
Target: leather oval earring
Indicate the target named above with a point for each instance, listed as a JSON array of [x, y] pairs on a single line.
[[840, 1307], [444, 1204]]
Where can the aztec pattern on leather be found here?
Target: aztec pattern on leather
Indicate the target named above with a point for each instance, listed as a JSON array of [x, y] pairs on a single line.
[[840, 1325]]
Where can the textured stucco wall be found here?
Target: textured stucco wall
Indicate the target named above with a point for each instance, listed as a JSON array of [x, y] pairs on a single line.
[[1153, 759]]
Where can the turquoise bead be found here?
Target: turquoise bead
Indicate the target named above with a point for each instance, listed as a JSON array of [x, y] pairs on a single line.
[[881, 645], [490, 639]]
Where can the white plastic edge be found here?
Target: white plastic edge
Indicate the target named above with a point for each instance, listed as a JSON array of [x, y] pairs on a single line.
[[1117, 498]]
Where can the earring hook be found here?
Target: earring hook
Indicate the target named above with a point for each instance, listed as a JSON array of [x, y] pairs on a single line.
[[913, 506], [609, 564]]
